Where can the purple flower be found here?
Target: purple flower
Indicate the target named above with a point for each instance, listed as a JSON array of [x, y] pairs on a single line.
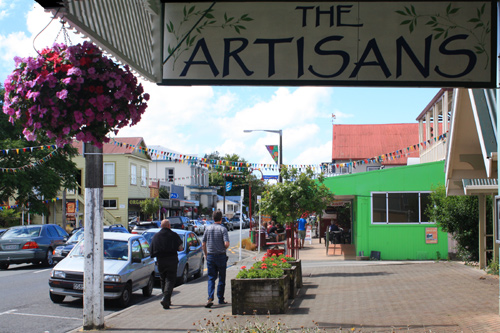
[[75, 71], [62, 94]]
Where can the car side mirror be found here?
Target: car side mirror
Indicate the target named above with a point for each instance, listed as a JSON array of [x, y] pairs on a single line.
[[137, 260]]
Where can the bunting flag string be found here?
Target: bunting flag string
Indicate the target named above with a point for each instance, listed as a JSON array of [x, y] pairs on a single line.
[[17, 151], [223, 165], [16, 206], [31, 165]]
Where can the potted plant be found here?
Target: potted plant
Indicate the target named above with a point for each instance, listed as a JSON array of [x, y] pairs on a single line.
[[263, 288]]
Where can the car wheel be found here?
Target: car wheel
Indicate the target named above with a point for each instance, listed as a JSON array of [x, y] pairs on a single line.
[[148, 290], [4, 265], [56, 298], [199, 274], [49, 260], [124, 299], [184, 276]]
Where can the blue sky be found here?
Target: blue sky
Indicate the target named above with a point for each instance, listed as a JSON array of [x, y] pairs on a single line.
[[203, 119]]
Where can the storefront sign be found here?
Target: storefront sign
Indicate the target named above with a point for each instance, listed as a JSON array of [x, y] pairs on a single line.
[[362, 43], [70, 211], [431, 235]]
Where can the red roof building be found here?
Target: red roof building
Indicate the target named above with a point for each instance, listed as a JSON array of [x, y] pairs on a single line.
[[368, 147]]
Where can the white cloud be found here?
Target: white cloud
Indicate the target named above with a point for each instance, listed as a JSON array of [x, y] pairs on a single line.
[[315, 155]]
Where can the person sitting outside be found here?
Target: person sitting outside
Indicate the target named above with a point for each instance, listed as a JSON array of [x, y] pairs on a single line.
[[272, 231], [334, 232]]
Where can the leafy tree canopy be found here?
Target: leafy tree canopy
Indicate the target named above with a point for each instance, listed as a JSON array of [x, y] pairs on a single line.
[[150, 206], [245, 178], [32, 186], [298, 194], [459, 216]]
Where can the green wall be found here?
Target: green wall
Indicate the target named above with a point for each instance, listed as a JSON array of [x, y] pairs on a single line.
[[394, 241]]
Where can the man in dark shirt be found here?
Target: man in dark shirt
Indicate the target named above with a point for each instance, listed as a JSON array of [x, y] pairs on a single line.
[[215, 242], [164, 247]]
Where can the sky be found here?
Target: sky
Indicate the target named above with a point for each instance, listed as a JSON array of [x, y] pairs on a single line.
[[199, 120]]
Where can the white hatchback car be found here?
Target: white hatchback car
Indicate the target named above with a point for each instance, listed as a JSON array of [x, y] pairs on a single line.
[[128, 267]]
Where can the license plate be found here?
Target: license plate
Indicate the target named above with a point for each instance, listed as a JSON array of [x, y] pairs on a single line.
[[78, 286], [10, 247]]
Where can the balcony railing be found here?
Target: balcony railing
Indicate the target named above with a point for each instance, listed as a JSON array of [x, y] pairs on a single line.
[[436, 152]]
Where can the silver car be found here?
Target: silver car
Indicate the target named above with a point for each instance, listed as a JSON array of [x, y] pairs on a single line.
[[128, 267]]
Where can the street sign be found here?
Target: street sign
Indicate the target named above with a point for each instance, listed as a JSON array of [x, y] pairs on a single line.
[[229, 186], [174, 196]]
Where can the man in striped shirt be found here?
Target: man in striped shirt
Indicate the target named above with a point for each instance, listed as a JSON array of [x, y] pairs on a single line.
[[215, 242]]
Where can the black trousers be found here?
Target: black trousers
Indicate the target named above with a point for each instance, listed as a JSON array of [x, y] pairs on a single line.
[[167, 267]]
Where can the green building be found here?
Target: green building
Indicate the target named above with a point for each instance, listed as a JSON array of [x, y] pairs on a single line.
[[388, 211]]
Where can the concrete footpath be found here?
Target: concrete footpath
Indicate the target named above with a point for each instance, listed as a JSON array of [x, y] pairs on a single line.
[[363, 296]]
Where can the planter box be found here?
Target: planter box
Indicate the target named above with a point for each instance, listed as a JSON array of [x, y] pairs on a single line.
[[292, 275], [260, 296], [298, 272]]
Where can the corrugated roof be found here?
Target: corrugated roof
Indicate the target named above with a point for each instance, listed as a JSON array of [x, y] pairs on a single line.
[[110, 148], [357, 142]]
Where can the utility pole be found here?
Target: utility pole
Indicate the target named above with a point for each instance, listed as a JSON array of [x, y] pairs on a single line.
[[93, 289]]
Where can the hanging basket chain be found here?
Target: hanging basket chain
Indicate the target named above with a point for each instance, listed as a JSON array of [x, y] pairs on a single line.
[[64, 31]]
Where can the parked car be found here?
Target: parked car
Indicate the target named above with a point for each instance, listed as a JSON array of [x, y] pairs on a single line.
[[30, 244], [199, 227], [178, 222], [246, 221], [115, 228], [236, 223], [227, 223], [2, 231], [191, 259], [140, 227], [128, 267], [62, 251]]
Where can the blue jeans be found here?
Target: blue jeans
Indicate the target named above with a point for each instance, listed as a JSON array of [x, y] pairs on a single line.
[[216, 266]]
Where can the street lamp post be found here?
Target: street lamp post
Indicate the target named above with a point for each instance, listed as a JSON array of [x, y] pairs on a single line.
[[280, 132]]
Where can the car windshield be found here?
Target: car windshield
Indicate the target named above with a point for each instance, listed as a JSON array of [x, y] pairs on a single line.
[[22, 232], [76, 237], [149, 236], [113, 249]]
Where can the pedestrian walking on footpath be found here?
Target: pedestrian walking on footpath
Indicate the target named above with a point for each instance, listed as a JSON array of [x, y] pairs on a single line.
[[215, 242], [164, 247]]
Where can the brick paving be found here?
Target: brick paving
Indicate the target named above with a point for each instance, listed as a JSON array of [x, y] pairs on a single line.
[[337, 295]]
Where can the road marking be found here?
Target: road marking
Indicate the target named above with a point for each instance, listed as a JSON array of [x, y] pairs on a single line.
[[8, 312], [43, 270], [13, 312]]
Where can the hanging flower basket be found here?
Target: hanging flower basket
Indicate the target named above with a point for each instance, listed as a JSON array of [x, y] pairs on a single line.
[[73, 92]]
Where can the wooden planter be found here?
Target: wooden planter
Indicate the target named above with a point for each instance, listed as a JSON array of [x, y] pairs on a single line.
[[292, 275], [260, 296], [298, 273]]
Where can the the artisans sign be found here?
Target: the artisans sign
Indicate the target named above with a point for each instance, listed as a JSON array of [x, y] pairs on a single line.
[[370, 43]]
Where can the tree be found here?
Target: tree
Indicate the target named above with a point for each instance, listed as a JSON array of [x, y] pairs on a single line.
[[235, 169], [298, 194], [32, 175], [8, 217], [459, 216], [150, 206]]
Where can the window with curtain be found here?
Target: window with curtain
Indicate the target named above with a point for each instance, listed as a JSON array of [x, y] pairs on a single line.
[[108, 174], [144, 177], [133, 174]]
